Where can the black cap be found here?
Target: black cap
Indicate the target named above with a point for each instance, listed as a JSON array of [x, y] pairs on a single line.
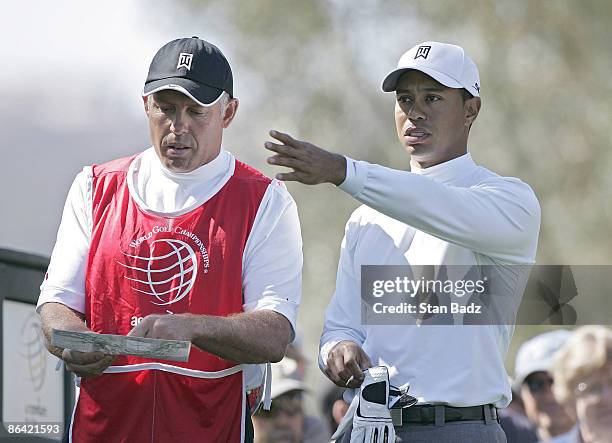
[[192, 66]]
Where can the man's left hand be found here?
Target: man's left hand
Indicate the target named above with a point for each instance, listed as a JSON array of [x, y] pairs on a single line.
[[311, 165], [168, 327]]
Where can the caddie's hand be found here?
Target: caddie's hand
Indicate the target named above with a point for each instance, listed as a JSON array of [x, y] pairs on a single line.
[[311, 165], [86, 364], [168, 327], [345, 364]]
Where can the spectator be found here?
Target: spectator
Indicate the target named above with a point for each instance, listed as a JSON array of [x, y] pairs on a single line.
[[286, 421], [534, 381], [583, 384], [334, 407]]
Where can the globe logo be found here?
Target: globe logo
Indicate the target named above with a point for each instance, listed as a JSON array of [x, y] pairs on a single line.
[[167, 274], [33, 350]]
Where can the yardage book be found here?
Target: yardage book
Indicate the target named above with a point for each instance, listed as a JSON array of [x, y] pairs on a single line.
[[176, 350]]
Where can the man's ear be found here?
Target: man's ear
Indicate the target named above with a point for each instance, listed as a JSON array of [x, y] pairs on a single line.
[[230, 112], [471, 108], [146, 104]]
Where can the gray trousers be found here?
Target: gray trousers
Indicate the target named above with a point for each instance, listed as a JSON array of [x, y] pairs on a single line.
[[453, 432]]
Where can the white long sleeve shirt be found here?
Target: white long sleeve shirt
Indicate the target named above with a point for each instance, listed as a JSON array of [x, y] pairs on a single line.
[[453, 213], [272, 261]]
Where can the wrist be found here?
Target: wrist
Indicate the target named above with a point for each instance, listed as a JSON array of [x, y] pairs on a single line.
[[196, 326], [339, 174]]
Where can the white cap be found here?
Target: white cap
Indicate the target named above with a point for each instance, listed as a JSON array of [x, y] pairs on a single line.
[[538, 354], [286, 377], [445, 63]]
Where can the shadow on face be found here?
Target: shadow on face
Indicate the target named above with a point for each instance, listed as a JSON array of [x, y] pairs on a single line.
[[541, 407]]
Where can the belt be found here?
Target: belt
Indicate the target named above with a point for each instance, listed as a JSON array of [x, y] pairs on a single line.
[[426, 414]]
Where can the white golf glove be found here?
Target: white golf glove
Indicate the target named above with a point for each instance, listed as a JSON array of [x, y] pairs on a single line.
[[372, 420]]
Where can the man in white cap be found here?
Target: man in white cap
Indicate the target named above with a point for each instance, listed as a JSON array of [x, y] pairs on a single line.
[[181, 241], [535, 361], [286, 421], [446, 210]]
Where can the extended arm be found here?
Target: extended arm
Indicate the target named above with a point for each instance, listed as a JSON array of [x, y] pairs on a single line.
[[498, 217]]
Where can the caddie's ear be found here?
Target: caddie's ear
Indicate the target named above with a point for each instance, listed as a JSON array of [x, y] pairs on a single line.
[[230, 112], [471, 109]]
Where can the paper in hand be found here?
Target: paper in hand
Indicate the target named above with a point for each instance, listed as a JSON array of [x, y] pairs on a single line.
[[176, 350]]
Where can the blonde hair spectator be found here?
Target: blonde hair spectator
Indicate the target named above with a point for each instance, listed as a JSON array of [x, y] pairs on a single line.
[[583, 384], [587, 352]]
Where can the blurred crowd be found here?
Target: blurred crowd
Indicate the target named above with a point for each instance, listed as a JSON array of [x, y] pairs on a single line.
[[562, 388], [562, 393], [287, 421]]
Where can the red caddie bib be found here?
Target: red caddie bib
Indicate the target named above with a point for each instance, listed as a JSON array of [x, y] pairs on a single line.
[[141, 263]]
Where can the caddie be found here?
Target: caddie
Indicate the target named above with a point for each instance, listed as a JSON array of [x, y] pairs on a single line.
[[447, 210], [180, 241]]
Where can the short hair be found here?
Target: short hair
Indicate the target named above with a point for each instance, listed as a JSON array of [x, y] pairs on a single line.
[[466, 95], [223, 101], [587, 351]]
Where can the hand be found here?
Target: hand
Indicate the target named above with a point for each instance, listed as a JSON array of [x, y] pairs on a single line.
[[168, 327], [311, 165], [346, 360], [86, 364]]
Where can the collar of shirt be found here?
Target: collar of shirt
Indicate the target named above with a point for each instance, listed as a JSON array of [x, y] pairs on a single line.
[[451, 171], [157, 189], [207, 172]]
